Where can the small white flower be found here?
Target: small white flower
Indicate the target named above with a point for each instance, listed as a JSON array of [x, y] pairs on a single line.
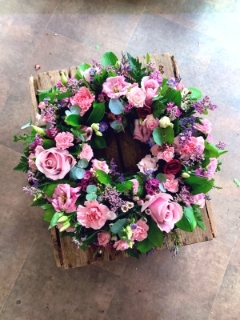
[[130, 205], [124, 208], [165, 122], [148, 211]]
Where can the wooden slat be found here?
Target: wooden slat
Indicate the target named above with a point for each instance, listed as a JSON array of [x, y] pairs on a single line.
[[65, 251]]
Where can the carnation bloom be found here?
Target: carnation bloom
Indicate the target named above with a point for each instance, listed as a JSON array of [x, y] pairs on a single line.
[[103, 238], [205, 126], [139, 233], [64, 140], [148, 164], [83, 98], [92, 215], [199, 199], [164, 212], [64, 198], [189, 147], [121, 245], [171, 184], [115, 87]]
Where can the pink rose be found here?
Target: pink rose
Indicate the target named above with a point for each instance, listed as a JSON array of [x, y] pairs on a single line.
[[54, 163], [171, 184], [136, 96], [64, 198], [115, 87], [150, 122], [205, 126], [191, 145], [83, 98], [150, 87], [64, 140], [140, 232], [164, 212], [148, 164], [94, 215], [199, 199], [103, 238], [166, 154], [141, 132], [121, 245], [86, 153], [100, 165]]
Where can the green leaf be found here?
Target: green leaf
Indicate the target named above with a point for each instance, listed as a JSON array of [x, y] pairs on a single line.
[[161, 135], [126, 185], [109, 59], [98, 142], [103, 177], [39, 202], [196, 94], [148, 58], [198, 216], [199, 184], [161, 177], [91, 188], [97, 113], [237, 182], [155, 235], [83, 66], [211, 151], [132, 253], [188, 222], [49, 189], [118, 225], [48, 143], [23, 165], [173, 96], [46, 205], [54, 220], [158, 108], [48, 214], [144, 246], [73, 120]]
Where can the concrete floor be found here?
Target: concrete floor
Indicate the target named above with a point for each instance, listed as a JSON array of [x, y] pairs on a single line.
[[203, 282]]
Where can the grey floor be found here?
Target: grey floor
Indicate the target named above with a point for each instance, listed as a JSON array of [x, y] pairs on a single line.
[[203, 282]]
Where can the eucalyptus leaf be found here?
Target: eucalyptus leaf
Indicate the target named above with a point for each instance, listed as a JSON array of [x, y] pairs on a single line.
[[77, 173], [118, 225], [117, 126], [91, 188], [91, 196], [116, 106], [82, 163]]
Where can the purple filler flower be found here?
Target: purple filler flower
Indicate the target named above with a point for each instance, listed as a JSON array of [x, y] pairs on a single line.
[[103, 126]]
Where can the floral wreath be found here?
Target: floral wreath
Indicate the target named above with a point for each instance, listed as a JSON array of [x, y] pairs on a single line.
[[86, 197]]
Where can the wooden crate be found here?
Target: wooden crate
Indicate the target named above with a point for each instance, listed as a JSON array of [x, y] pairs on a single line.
[[67, 255]]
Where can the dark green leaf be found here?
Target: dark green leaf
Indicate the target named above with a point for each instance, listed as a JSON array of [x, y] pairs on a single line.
[[118, 225], [109, 59], [188, 222], [38, 202], [48, 143], [199, 184], [73, 120], [161, 135], [23, 165], [158, 108], [126, 185], [211, 151], [132, 253], [144, 246], [48, 214], [173, 96], [97, 113], [155, 235], [83, 66], [49, 189], [199, 217], [98, 142], [103, 177], [54, 220]]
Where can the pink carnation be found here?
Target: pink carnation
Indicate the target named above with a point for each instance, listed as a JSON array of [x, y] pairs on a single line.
[[103, 238], [190, 146], [86, 153], [83, 98], [64, 140], [211, 168], [148, 164], [171, 184], [115, 87], [100, 165], [164, 153], [64, 198], [199, 199], [121, 245], [94, 215], [140, 232]]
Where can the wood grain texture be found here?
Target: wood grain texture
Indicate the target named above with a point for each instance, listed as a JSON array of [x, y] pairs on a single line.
[[66, 254]]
